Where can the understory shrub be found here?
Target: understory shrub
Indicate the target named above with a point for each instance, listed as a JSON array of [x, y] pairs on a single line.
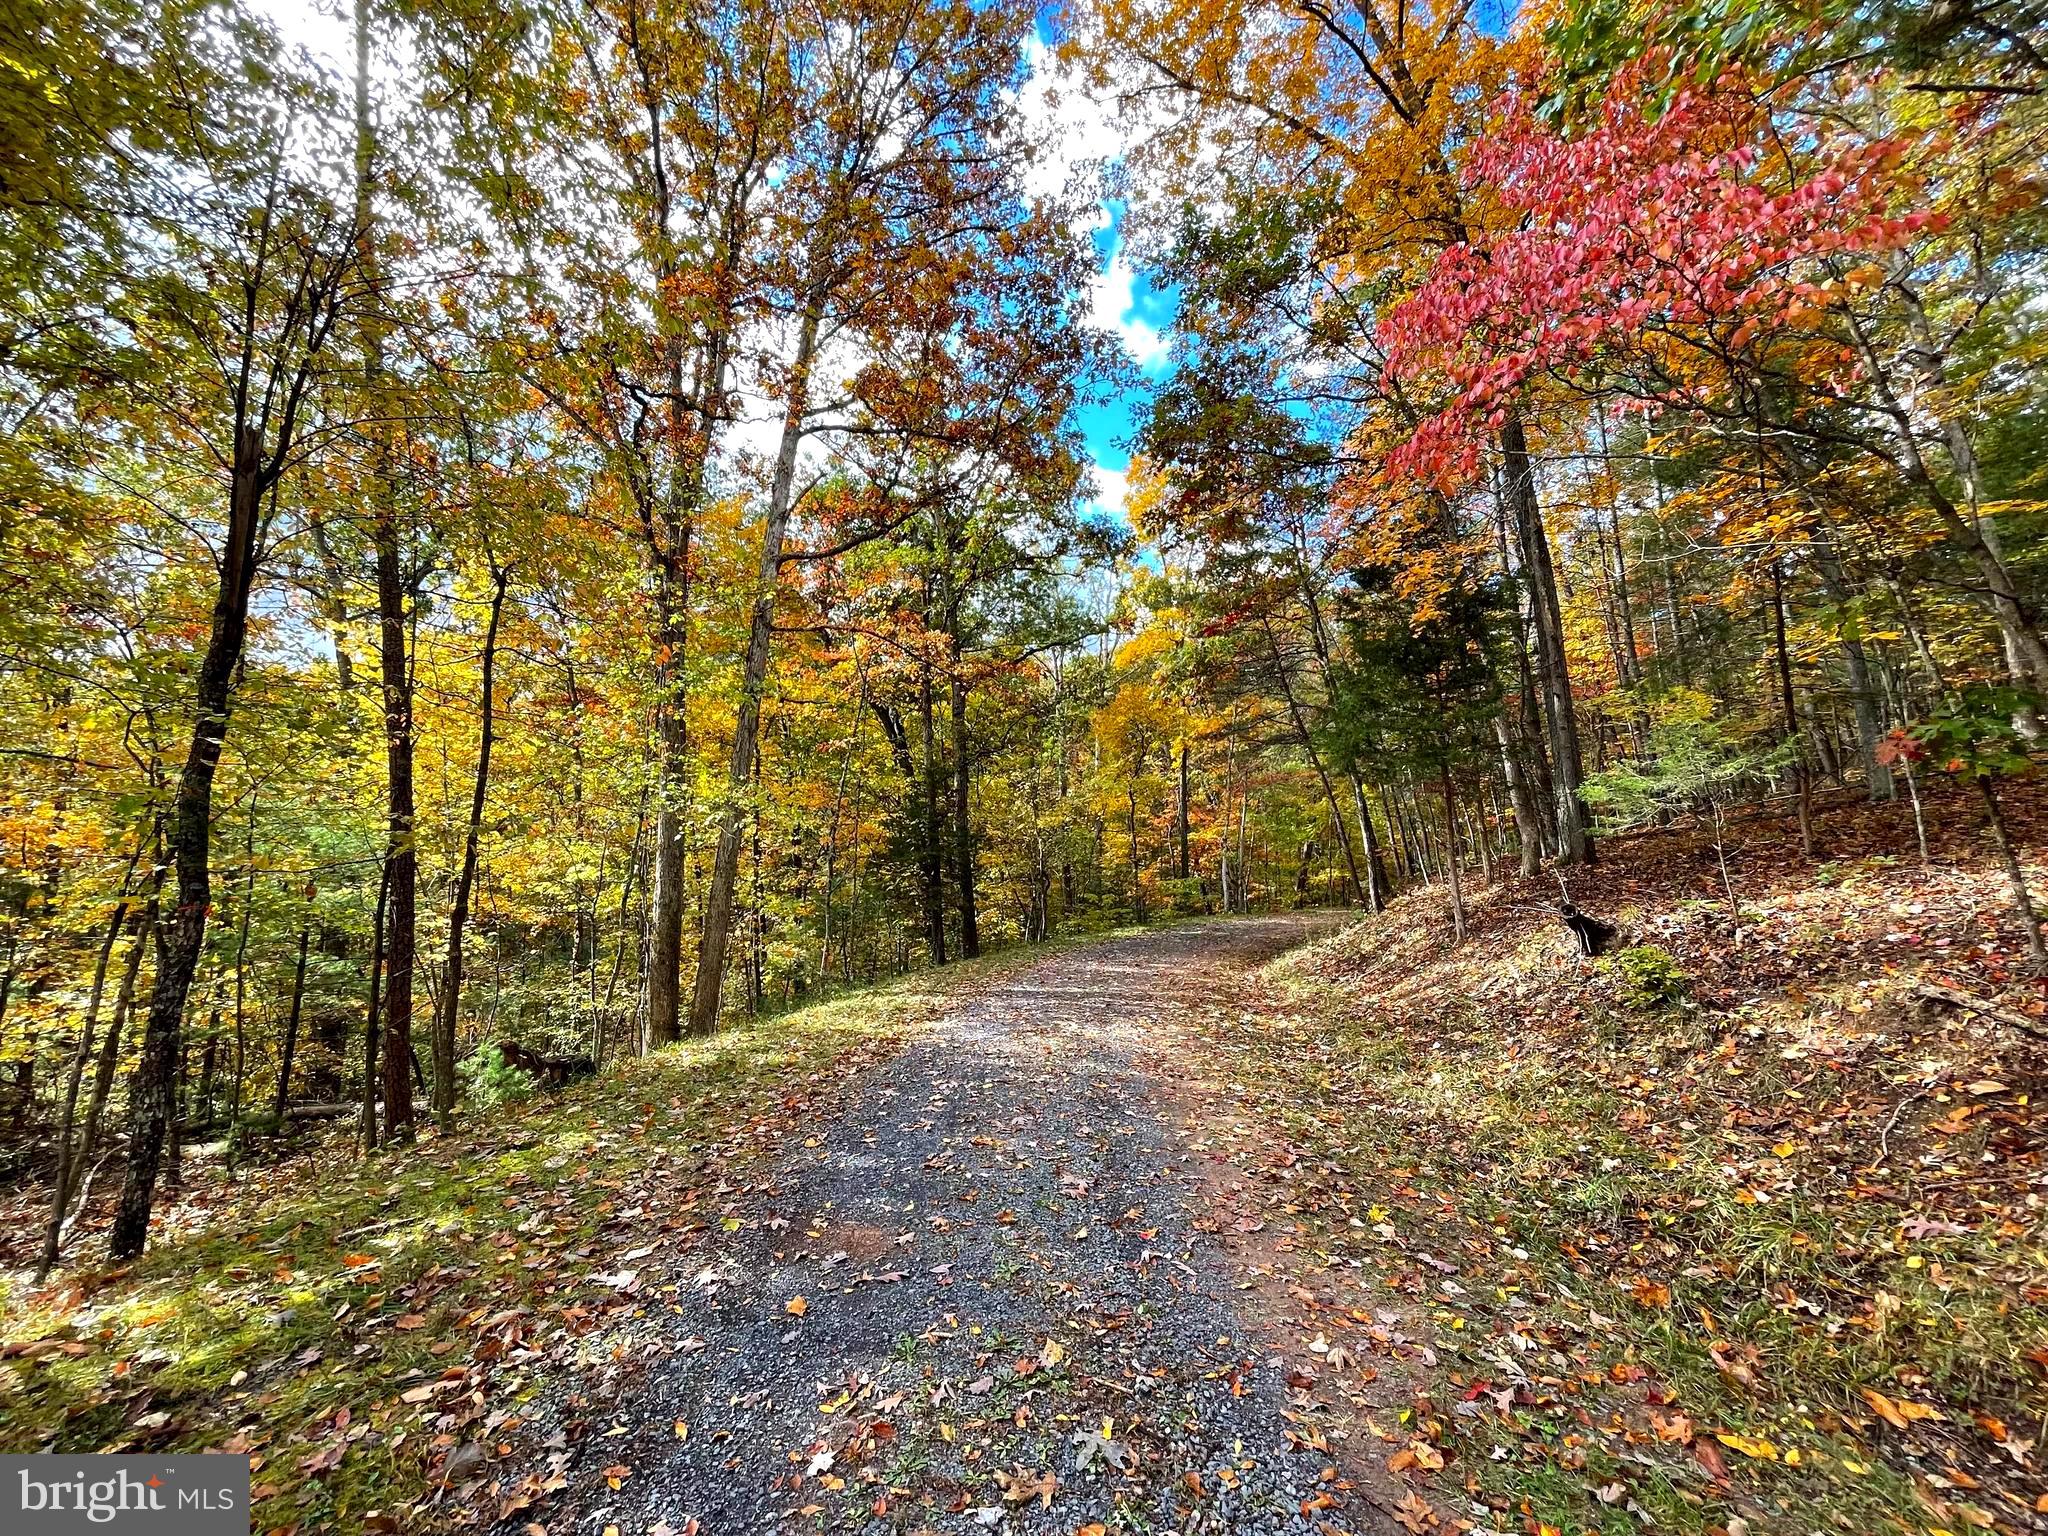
[[1650, 976], [488, 1079]]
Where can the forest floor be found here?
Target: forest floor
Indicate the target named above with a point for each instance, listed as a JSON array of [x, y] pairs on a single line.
[[1733, 1231], [366, 1330], [1282, 1224]]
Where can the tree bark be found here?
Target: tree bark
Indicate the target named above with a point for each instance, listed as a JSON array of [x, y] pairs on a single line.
[[1131, 837], [665, 905], [241, 979], [1181, 810], [291, 1022], [2026, 651], [832, 833], [402, 858], [449, 1013], [1802, 781], [1566, 762], [372, 1015], [963, 827], [124, 1004], [1864, 698], [919, 784], [711, 952], [1452, 859], [189, 842], [67, 1160], [1315, 758], [2036, 951], [931, 851], [1526, 828]]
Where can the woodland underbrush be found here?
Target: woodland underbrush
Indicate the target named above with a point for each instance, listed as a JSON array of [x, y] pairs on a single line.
[[369, 1331], [1734, 1229]]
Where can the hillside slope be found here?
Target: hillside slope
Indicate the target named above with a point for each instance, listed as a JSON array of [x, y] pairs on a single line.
[[1727, 1232]]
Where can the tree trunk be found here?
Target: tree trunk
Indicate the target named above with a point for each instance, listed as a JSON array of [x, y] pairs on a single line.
[[208, 1060], [1131, 834], [1376, 892], [711, 953], [2025, 650], [2036, 951], [189, 841], [174, 1145], [124, 1003], [1182, 810], [930, 852], [1244, 870], [665, 905], [832, 834], [333, 605], [757, 949], [1526, 828], [371, 1016], [401, 859], [448, 1014], [67, 1160], [1621, 597], [1451, 858], [918, 784], [1566, 763], [1315, 758], [1475, 821], [241, 978], [1802, 781], [1536, 786], [291, 1022], [1863, 693], [963, 827]]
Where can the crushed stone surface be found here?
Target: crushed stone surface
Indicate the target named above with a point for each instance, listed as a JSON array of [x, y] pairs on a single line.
[[977, 1300]]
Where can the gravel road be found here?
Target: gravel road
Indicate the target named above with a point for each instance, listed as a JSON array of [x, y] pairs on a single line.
[[977, 1301]]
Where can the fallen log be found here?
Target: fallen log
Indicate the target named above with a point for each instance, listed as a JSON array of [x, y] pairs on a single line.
[[1952, 997], [255, 1122], [320, 1111], [549, 1071]]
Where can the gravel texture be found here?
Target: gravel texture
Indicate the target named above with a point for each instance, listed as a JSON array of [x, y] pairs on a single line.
[[929, 1313]]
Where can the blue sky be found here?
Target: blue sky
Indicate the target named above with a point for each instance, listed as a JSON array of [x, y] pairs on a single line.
[[1077, 138], [1125, 302]]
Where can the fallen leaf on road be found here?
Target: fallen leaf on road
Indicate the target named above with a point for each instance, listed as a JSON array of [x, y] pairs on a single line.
[[1900, 1413], [1022, 1486], [1414, 1513]]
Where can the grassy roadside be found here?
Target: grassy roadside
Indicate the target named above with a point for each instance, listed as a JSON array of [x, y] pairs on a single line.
[[1721, 1236], [362, 1328]]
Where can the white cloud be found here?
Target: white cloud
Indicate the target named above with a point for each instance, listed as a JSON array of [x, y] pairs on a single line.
[[1111, 487], [1112, 306], [326, 31], [1073, 135]]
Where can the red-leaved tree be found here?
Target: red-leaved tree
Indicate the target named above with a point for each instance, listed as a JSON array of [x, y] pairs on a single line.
[[1658, 254]]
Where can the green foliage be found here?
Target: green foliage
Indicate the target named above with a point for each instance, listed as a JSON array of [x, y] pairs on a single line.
[[1975, 735], [489, 1080], [1696, 763], [1422, 680], [1696, 40], [1651, 977]]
